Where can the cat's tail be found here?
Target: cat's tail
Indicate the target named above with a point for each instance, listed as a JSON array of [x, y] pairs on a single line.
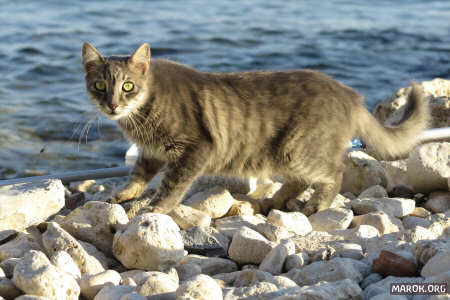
[[388, 143]]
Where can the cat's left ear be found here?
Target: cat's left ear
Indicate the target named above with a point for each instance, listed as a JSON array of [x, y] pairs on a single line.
[[141, 58]]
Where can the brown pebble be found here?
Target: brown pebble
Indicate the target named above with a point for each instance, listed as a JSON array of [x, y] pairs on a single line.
[[389, 263]]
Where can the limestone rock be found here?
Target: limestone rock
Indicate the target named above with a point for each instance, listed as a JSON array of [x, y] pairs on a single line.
[[411, 222], [64, 262], [438, 202], [240, 208], [331, 219], [26, 204], [384, 222], [30, 297], [148, 241], [96, 222], [199, 287], [35, 275], [230, 225], [249, 246], [348, 250], [255, 291], [216, 201], [188, 270], [380, 287], [420, 212], [337, 290], [296, 261], [158, 283], [187, 217], [429, 167], [16, 244], [57, 239], [437, 264], [206, 241], [91, 284], [371, 278], [314, 241], [397, 207], [266, 190], [358, 234], [137, 296], [425, 250], [362, 171], [113, 292], [293, 221], [272, 232], [333, 270], [210, 265], [136, 276], [274, 260]]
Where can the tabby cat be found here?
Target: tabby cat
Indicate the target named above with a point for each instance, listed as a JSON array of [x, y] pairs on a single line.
[[296, 124]]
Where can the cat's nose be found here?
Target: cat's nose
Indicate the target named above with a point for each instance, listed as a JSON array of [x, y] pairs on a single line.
[[113, 106]]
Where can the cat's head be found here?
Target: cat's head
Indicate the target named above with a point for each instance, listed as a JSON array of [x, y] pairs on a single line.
[[117, 85]]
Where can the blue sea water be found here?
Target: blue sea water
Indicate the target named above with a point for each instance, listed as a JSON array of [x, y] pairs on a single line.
[[375, 47]]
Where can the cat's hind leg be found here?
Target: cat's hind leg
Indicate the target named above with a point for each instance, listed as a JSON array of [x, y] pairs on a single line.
[[290, 189]]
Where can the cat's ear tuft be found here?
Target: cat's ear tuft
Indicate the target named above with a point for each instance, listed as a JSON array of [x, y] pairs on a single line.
[[91, 57], [141, 58]]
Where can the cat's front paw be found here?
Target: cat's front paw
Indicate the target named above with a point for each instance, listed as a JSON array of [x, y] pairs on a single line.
[[130, 191], [309, 209]]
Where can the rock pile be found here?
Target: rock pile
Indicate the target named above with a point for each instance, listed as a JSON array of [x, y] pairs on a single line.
[[217, 244]]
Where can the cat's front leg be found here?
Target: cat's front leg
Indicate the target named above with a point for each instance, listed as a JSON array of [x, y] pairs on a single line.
[[144, 170], [176, 180]]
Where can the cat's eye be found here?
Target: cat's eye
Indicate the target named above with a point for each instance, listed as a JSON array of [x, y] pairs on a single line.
[[100, 86], [128, 86]]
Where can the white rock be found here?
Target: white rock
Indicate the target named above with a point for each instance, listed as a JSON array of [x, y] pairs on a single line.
[[96, 222], [158, 283], [82, 186], [187, 217], [358, 234], [418, 233], [410, 222], [112, 292], [397, 207], [362, 171], [57, 239], [26, 204], [274, 260], [272, 232], [292, 221], [348, 250], [338, 290], [371, 278], [133, 296], [438, 202], [17, 244], [216, 201], [31, 297], [64, 262], [382, 221], [254, 291], [375, 191], [91, 284], [199, 287], [148, 241], [35, 275], [296, 261], [331, 219], [189, 270], [249, 246], [230, 225], [314, 241], [429, 167], [137, 276], [425, 250], [266, 190], [382, 286], [333, 270], [439, 263], [210, 265]]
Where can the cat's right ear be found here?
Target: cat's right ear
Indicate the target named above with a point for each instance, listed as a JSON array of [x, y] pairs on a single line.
[[91, 57]]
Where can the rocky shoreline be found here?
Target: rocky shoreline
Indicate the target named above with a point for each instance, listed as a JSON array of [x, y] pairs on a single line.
[[389, 224]]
